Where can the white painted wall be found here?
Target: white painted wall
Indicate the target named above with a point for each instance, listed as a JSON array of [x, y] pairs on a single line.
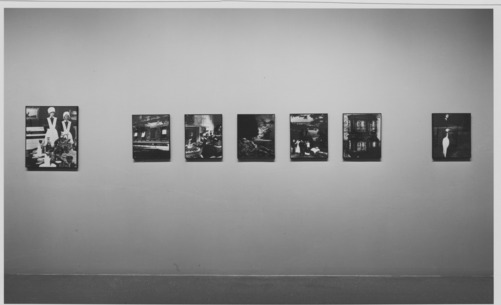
[[403, 215]]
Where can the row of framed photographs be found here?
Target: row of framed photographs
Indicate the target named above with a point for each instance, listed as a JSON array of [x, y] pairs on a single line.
[[52, 137]]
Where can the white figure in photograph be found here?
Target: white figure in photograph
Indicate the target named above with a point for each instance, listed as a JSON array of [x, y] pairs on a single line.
[[39, 152], [66, 127], [445, 142], [298, 149], [51, 135], [46, 162]]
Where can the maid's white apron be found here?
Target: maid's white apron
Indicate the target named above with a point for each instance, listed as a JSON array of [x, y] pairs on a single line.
[[51, 133], [66, 131]]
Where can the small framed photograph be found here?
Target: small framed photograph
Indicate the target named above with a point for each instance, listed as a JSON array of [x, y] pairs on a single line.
[[203, 137], [151, 137], [451, 134], [256, 137], [309, 139], [362, 136]]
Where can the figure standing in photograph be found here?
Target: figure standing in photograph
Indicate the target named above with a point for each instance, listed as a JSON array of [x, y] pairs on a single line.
[[66, 128], [451, 136], [256, 137], [309, 140], [362, 136], [203, 136], [52, 134], [151, 137], [51, 141]]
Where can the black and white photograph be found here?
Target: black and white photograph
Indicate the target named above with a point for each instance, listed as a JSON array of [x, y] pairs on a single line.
[[256, 137], [230, 152], [309, 138], [203, 136], [362, 136], [52, 137], [451, 136], [151, 137]]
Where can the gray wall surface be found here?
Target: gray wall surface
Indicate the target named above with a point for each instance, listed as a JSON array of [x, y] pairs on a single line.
[[403, 215]]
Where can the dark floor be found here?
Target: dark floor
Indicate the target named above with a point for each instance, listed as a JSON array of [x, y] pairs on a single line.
[[246, 289]]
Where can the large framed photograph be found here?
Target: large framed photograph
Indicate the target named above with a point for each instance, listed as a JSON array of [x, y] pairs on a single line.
[[362, 136], [451, 134], [151, 137], [256, 137], [51, 137], [203, 137], [309, 139]]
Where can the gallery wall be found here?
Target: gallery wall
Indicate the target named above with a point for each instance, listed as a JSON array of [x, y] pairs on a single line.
[[404, 215]]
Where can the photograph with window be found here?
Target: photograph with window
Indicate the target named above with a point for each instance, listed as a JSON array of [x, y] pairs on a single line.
[[151, 137], [362, 136]]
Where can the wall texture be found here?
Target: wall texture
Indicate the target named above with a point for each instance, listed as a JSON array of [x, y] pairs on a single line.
[[403, 215]]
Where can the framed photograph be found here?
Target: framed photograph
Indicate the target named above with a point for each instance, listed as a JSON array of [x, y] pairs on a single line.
[[451, 134], [203, 136], [362, 136], [51, 137], [256, 137], [151, 137], [309, 139]]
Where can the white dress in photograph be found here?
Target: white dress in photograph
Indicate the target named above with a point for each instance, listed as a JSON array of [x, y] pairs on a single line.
[[51, 133], [66, 131]]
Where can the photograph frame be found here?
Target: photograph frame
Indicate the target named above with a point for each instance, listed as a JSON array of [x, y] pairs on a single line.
[[310, 143], [215, 138], [364, 144], [247, 149], [151, 150], [61, 154], [457, 140]]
